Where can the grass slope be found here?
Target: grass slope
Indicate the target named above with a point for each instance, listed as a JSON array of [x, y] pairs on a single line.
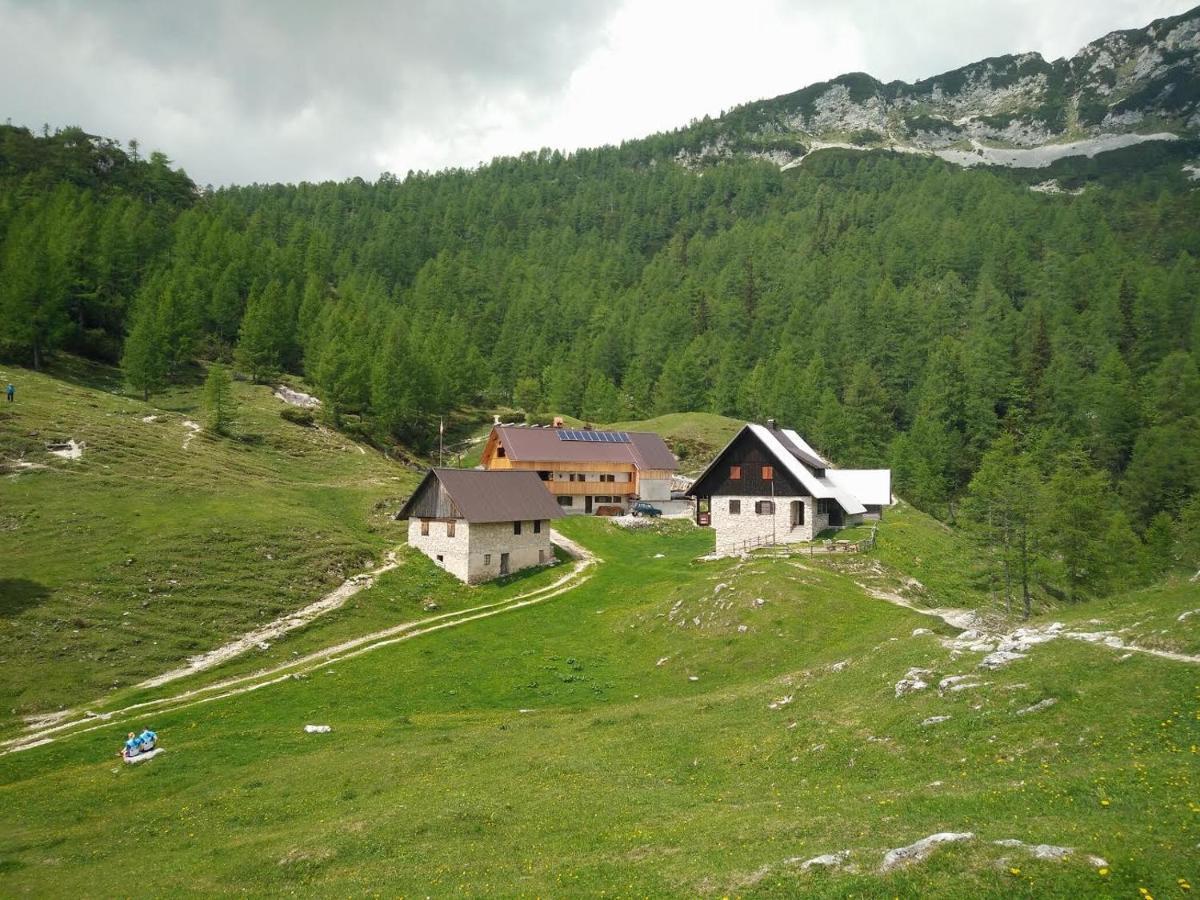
[[158, 543], [636, 736]]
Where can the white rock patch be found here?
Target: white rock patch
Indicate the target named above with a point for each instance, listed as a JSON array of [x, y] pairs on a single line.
[[917, 851], [1038, 707], [826, 860], [296, 398], [72, 449]]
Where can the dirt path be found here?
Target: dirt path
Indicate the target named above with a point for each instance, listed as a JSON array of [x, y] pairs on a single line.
[[331, 601], [57, 726]]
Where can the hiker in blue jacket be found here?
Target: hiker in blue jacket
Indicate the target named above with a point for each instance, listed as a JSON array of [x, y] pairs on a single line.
[[10, 390]]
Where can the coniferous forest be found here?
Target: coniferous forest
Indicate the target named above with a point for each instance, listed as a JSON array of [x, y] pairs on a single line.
[[1025, 361]]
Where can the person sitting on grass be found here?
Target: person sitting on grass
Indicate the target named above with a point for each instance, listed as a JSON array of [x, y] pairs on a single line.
[[132, 746]]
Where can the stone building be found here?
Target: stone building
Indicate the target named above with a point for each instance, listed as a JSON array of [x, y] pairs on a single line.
[[768, 486], [479, 525], [586, 470]]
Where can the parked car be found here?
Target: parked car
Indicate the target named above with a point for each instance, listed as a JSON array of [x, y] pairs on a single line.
[[642, 508]]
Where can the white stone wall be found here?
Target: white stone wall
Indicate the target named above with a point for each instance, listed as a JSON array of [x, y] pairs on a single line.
[[524, 550], [453, 550], [466, 555], [734, 531], [652, 489]]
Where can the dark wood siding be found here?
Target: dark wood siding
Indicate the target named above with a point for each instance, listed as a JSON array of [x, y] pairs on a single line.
[[748, 452], [432, 502]]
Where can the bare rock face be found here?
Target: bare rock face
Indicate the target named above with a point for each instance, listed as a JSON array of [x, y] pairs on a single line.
[[1017, 110]]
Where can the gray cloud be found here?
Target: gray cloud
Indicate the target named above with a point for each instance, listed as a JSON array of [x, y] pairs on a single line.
[[276, 90]]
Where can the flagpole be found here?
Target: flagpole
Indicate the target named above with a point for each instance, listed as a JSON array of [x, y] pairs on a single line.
[[441, 432]]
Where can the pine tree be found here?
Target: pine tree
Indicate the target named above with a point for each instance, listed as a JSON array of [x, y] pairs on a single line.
[[260, 337], [144, 361], [220, 406]]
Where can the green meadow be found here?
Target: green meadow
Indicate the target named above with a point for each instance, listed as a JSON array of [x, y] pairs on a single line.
[[654, 726]]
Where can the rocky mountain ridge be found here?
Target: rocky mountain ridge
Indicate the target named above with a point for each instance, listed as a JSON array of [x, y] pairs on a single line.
[[1017, 110]]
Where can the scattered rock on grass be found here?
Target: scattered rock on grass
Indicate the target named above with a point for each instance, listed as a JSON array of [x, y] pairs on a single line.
[[934, 720], [999, 659], [1038, 707], [917, 851], [1040, 851], [913, 680], [317, 729], [826, 860], [917, 632]]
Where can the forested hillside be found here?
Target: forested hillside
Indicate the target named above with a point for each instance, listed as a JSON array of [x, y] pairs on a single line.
[[893, 308]]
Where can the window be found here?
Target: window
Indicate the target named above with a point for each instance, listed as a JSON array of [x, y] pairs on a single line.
[[768, 473], [822, 507], [537, 526], [565, 501], [765, 507], [608, 477], [735, 507], [576, 477], [450, 528], [440, 558], [487, 559], [500, 451], [545, 476], [424, 528], [516, 527], [735, 473]]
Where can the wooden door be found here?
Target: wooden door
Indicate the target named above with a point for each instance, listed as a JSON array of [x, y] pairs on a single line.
[[503, 563]]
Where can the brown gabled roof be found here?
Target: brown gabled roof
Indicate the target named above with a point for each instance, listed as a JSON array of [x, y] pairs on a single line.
[[644, 449], [477, 495]]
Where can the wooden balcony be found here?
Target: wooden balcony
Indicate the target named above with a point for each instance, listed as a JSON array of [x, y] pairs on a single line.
[[593, 488]]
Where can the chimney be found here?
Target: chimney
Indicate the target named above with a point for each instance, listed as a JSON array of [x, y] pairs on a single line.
[[558, 421], [771, 424]]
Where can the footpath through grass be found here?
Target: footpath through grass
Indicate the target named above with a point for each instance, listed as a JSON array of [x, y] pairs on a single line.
[[668, 728], [160, 541]]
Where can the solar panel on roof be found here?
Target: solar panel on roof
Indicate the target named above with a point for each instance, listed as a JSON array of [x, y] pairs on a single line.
[[594, 437]]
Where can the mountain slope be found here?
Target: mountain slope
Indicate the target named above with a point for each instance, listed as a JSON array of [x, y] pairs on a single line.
[[1126, 87]]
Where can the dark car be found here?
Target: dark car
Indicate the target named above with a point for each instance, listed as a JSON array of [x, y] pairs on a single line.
[[642, 508]]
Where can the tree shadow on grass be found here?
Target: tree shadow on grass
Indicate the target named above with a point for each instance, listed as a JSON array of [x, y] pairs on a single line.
[[18, 594]]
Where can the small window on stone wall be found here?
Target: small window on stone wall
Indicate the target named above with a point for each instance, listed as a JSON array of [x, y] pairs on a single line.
[[735, 507], [765, 507], [537, 526], [450, 529], [424, 528], [516, 527], [487, 559]]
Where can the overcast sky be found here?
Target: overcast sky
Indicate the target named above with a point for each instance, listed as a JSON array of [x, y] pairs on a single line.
[[292, 90]]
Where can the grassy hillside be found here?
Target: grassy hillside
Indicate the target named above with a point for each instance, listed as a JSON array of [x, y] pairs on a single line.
[[668, 727], [161, 541], [694, 437]]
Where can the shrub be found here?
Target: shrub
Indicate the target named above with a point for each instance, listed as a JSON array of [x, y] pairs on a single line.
[[297, 415]]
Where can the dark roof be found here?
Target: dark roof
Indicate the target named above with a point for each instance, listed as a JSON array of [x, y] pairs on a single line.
[[477, 495], [644, 449], [793, 453]]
